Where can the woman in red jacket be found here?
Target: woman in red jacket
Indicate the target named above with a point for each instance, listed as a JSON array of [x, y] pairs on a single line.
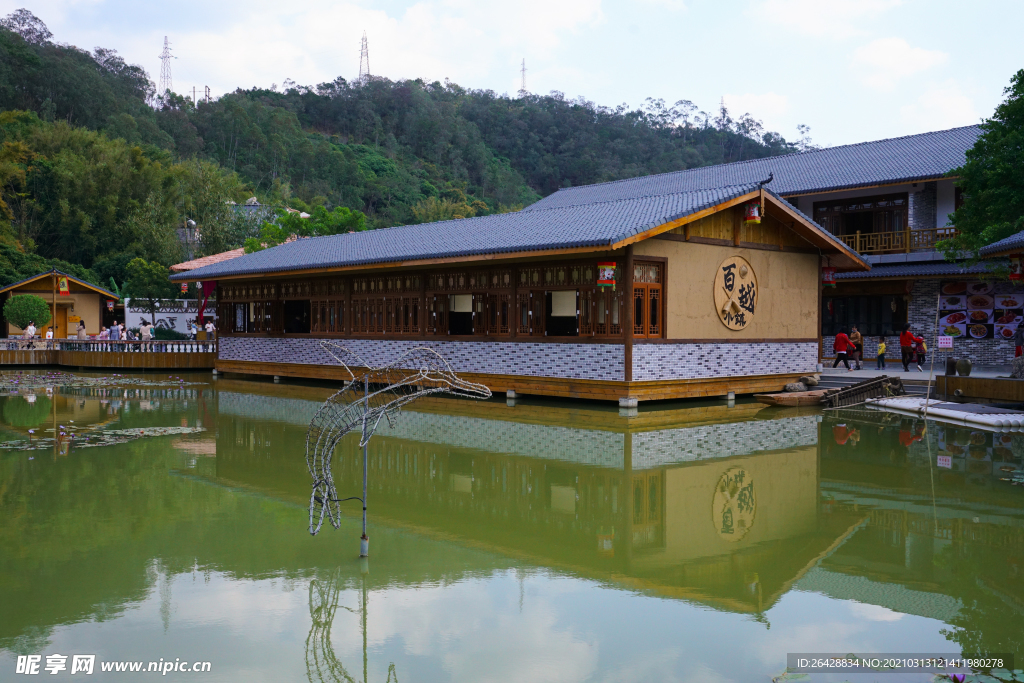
[[841, 345], [907, 341]]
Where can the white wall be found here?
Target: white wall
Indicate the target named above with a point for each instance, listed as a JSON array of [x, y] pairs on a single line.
[[175, 314]]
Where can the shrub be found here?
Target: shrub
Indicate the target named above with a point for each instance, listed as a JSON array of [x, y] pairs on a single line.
[[167, 334], [22, 308]]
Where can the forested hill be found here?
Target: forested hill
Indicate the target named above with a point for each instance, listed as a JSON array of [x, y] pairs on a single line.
[[400, 152]]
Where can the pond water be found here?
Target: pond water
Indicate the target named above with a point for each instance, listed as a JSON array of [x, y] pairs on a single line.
[[546, 541]]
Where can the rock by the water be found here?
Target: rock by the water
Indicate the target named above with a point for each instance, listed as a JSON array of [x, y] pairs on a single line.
[[809, 381], [796, 386]]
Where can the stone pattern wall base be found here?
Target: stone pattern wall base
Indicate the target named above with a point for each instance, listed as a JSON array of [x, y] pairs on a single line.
[[565, 361], [702, 361]]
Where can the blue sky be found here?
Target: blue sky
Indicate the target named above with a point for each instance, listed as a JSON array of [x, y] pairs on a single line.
[[853, 70]]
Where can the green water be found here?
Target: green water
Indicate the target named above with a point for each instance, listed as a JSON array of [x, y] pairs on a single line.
[[546, 541]]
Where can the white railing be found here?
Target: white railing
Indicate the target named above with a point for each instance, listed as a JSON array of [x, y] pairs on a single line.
[[107, 346]]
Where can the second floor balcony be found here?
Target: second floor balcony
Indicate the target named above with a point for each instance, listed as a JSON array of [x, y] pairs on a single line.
[[895, 242]]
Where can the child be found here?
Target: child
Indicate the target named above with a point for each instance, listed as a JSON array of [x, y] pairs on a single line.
[[922, 351], [881, 353]]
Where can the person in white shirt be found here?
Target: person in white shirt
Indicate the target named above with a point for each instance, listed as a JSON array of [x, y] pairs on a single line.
[[49, 338], [210, 329], [146, 330], [30, 331]]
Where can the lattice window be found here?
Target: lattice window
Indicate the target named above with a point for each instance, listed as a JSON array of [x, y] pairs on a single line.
[[523, 321], [438, 321], [648, 304], [538, 302], [608, 313], [586, 312]]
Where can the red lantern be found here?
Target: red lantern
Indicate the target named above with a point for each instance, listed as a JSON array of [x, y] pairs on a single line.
[[184, 288], [1017, 267], [752, 213], [110, 305], [828, 276]]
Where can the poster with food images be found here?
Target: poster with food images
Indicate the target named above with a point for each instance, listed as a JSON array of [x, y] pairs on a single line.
[[980, 310]]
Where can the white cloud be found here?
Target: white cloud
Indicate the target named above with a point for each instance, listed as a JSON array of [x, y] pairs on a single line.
[[673, 5], [874, 612], [884, 62], [769, 108], [943, 105], [832, 18]]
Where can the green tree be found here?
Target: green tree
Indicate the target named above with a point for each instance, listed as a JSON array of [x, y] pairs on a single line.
[[148, 283], [21, 309], [320, 223], [991, 179]]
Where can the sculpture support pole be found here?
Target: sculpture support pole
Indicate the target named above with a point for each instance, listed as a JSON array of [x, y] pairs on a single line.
[[364, 541]]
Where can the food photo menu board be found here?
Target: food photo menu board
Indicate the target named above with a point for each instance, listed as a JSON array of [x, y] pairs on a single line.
[[980, 310]]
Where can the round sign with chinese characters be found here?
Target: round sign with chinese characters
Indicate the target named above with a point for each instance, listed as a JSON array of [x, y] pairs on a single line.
[[734, 504], [735, 292]]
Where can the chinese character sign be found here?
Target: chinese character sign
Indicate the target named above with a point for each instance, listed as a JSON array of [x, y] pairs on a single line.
[[735, 293], [734, 505]]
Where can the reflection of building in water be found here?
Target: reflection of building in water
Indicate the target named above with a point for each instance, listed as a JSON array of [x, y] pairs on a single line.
[[924, 522], [710, 503]]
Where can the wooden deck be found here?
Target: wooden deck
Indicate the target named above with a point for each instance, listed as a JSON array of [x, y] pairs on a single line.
[[183, 355]]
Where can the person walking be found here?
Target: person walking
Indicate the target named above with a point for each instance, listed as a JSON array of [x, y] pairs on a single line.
[[921, 350], [146, 330], [82, 336], [194, 331], [857, 346], [907, 341], [841, 346], [881, 353]]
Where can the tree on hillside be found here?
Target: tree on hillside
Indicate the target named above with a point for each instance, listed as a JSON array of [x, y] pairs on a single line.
[[320, 223], [991, 179], [147, 284]]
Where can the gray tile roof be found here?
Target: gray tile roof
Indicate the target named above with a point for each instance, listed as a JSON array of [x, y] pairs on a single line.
[[932, 269], [907, 159], [1005, 244], [600, 224]]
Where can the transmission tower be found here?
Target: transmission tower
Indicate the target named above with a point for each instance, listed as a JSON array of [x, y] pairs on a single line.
[[522, 81], [165, 68], [364, 60]]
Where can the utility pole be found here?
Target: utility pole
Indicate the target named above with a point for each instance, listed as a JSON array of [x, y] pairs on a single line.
[[195, 95], [165, 68], [522, 81], [364, 60]]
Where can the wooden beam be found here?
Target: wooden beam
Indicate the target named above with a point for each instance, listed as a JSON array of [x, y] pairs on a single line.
[[628, 286], [737, 227]]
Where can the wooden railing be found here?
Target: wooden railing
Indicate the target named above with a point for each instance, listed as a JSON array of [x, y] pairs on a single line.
[[895, 242], [106, 346]]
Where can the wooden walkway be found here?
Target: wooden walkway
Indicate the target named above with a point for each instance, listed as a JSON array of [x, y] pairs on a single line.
[[160, 355]]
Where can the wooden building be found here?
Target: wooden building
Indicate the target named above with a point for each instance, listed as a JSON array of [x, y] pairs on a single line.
[[626, 290], [83, 301]]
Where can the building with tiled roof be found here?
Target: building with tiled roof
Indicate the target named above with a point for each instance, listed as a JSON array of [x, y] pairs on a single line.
[[883, 204], [619, 298]]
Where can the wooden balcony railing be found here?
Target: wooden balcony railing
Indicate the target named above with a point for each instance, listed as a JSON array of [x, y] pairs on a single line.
[[895, 242]]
